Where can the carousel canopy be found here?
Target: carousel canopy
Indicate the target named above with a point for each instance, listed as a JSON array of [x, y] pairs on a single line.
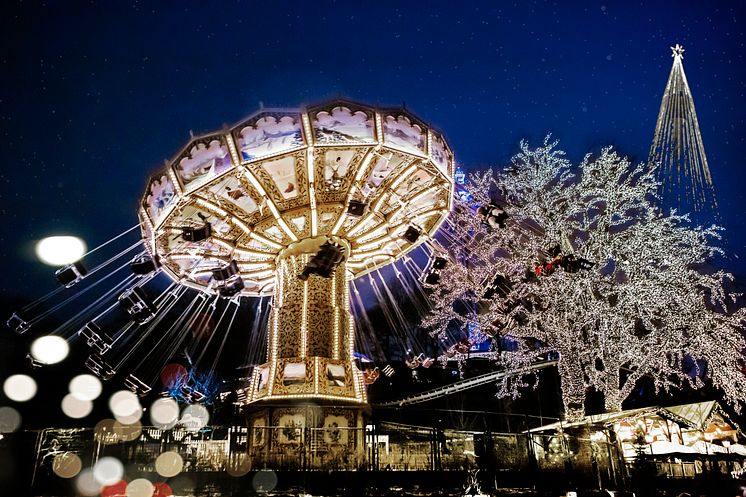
[[376, 181]]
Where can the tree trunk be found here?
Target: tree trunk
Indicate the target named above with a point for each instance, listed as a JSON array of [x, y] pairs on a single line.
[[573, 389]]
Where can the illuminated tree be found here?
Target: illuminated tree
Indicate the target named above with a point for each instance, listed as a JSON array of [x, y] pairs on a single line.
[[587, 268]]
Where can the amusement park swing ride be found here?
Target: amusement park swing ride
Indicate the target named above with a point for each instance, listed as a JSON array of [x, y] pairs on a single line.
[[292, 205]]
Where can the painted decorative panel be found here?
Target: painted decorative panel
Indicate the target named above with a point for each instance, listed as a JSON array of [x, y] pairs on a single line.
[[268, 135], [343, 125]]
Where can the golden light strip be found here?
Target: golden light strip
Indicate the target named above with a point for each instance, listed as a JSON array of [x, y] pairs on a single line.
[[241, 225], [232, 149], [210, 206], [421, 194], [369, 260], [340, 221], [304, 322], [311, 185], [254, 253], [314, 222], [254, 182], [307, 128], [366, 162], [280, 220], [262, 274], [256, 236], [428, 214], [310, 165], [370, 235], [223, 243], [409, 170], [379, 128], [380, 201], [373, 243], [335, 343], [353, 369], [249, 266], [175, 181], [273, 361], [361, 224], [316, 375], [369, 253], [311, 395]]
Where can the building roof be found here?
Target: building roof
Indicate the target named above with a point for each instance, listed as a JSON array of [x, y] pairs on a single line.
[[693, 415]]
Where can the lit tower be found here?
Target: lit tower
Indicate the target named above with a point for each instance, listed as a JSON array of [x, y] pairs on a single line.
[[295, 204], [677, 147]]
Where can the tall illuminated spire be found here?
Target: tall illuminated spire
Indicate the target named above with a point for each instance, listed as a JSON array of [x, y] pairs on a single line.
[[677, 149]]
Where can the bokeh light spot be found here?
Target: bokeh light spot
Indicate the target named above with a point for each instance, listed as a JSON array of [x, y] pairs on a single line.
[[75, 408], [86, 484], [10, 420], [164, 413], [60, 250], [140, 488], [118, 489], [238, 466], [264, 480], [195, 417], [85, 387], [50, 349], [172, 374], [67, 465], [104, 432], [169, 464], [125, 406], [19, 387], [162, 489], [108, 470], [127, 432]]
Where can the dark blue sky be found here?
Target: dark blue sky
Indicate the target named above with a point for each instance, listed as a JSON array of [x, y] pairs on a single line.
[[93, 97]]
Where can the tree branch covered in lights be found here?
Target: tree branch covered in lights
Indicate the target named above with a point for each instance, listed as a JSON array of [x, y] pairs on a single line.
[[587, 268]]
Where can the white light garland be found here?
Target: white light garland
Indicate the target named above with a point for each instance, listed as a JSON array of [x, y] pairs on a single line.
[[645, 308]]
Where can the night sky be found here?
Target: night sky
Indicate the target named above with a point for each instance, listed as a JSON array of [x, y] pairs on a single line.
[[94, 96]]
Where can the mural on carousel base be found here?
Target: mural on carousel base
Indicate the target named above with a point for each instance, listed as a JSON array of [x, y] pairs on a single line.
[[335, 430], [291, 428], [270, 134], [204, 161], [401, 133], [335, 375], [259, 428], [161, 193], [342, 125], [336, 165]]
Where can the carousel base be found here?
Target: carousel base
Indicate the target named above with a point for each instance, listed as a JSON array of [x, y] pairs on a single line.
[[306, 435]]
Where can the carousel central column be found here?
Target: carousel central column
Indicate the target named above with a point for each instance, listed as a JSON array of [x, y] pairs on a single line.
[[309, 393]]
